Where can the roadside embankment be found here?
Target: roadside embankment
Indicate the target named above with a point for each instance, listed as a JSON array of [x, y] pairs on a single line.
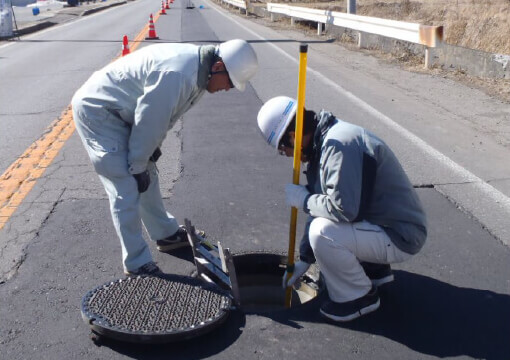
[[488, 71]]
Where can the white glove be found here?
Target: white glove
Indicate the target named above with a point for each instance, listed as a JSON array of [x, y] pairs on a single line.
[[295, 195], [299, 269]]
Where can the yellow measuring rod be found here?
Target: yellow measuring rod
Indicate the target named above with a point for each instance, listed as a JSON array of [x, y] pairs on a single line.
[[303, 50]]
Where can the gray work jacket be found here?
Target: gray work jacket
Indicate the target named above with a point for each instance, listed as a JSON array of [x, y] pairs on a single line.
[[355, 176], [149, 90]]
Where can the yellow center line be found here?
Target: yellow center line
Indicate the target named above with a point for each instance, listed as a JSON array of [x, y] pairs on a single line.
[[21, 176]]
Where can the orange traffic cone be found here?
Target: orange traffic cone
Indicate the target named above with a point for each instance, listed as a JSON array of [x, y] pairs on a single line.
[[125, 46], [163, 11], [152, 30], [167, 5]]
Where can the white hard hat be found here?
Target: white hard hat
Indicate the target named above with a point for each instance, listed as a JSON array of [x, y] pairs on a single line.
[[240, 60], [274, 118]]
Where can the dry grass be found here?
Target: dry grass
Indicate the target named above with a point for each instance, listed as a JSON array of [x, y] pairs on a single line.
[[476, 24]]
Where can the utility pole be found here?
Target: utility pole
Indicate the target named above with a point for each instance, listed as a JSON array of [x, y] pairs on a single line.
[[6, 14], [351, 6]]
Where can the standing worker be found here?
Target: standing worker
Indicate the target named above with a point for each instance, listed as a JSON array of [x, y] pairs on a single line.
[[123, 113], [363, 211]]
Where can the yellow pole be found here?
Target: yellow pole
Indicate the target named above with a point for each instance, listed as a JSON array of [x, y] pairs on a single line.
[[303, 49]]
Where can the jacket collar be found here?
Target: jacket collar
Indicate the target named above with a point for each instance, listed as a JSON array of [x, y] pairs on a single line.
[[326, 121], [207, 56]]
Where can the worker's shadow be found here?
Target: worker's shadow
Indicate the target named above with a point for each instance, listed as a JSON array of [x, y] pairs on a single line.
[[433, 318]]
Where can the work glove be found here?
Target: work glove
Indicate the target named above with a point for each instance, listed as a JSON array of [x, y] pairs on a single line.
[[296, 195], [156, 155], [143, 180], [299, 270]]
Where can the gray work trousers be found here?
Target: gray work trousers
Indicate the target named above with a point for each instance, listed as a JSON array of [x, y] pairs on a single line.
[[340, 246], [105, 138]]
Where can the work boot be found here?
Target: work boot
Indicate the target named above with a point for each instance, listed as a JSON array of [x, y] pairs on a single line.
[[150, 269], [178, 240], [175, 241], [351, 310], [379, 274]]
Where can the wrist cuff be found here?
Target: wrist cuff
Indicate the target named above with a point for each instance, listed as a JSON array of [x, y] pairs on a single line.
[[307, 259], [305, 204]]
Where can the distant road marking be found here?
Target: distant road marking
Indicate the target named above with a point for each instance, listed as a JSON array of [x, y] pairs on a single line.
[[485, 188], [21, 176]]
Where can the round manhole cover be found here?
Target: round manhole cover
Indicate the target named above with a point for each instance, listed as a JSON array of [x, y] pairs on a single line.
[[155, 309]]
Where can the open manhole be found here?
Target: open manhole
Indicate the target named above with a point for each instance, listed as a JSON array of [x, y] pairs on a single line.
[[173, 308], [259, 276]]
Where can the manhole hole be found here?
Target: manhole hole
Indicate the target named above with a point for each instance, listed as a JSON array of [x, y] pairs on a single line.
[[155, 309], [259, 276]]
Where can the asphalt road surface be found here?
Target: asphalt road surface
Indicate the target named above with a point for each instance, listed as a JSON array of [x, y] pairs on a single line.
[[450, 301]]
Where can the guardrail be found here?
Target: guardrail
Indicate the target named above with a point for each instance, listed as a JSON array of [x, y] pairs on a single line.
[[430, 36], [241, 4]]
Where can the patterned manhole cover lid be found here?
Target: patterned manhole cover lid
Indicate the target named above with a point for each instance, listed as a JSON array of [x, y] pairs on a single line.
[[155, 309]]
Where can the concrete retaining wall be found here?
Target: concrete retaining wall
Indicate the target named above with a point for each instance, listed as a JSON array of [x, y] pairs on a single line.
[[473, 62]]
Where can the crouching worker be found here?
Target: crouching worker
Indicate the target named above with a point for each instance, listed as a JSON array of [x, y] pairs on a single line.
[[122, 114], [363, 211]]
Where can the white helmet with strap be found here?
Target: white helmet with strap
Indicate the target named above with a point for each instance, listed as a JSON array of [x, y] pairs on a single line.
[[240, 60], [274, 118]]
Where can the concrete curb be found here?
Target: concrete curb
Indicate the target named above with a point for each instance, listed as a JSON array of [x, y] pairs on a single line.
[[32, 28], [94, 10]]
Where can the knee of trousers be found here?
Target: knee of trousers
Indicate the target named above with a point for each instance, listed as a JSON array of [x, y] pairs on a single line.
[[318, 241], [324, 241]]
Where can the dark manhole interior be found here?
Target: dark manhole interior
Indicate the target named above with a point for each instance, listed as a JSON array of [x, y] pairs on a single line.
[[259, 277]]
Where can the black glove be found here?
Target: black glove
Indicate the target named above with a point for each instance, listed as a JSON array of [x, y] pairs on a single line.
[[143, 180], [156, 155]]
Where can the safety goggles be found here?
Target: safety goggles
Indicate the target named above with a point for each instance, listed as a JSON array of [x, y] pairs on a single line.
[[224, 72]]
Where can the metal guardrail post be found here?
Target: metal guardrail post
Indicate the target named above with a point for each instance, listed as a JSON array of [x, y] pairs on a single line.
[[351, 6], [431, 37], [427, 58], [360, 39]]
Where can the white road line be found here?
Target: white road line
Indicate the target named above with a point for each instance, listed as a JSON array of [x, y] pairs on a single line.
[[466, 175]]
